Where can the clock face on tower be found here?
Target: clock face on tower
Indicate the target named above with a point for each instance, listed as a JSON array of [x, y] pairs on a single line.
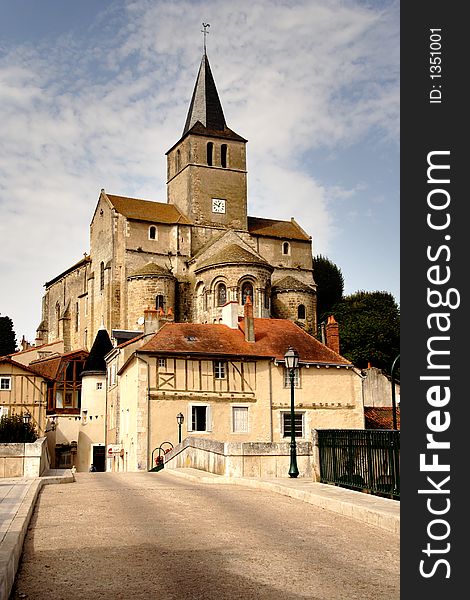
[[218, 205]]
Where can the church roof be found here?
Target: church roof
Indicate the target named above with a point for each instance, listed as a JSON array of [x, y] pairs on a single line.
[[205, 114], [151, 269], [272, 339], [146, 210], [290, 283], [232, 254], [290, 230]]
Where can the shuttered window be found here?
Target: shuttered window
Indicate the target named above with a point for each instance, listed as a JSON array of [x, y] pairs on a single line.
[[240, 419]]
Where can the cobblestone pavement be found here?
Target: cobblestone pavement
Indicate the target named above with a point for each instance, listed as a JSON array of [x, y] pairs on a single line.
[[155, 536]]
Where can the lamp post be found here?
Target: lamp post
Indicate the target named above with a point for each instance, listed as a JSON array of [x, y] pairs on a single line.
[[180, 421], [26, 421], [292, 362]]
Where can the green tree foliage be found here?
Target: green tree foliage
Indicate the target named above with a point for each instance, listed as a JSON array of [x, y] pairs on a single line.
[[7, 336], [330, 285], [369, 329], [14, 430]]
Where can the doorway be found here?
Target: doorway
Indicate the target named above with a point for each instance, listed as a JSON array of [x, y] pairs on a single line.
[[99, 458]]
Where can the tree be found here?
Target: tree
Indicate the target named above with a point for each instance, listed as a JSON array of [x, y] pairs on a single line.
[[14, 430], [7, 336], [369, 329], [330, 285]]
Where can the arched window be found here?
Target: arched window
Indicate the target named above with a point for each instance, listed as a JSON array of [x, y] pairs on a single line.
[[301, 311], [102, 275], [223, 155], [247, 290], [178, 161], [221, 294], [57, 317], [210, 152], [285, 248], [152, 232], [160, 302]]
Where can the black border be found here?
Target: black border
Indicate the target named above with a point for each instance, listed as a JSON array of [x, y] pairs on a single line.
[[427, 127]]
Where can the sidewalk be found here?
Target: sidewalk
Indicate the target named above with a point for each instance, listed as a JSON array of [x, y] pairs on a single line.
[[374, 510], [17, 500]]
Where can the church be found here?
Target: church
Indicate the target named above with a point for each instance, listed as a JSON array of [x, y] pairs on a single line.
[[187, 257]]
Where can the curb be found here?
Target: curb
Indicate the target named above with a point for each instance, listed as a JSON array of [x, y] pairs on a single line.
[[11, 547]]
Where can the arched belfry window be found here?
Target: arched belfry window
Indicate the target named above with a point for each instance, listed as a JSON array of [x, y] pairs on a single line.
[[301, 311], [247, 291], [210, 153], [102, 275], [221, 294], [285, 248], [152, 232], [223, 155]]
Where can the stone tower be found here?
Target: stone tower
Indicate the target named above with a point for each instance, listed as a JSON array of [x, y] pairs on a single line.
[[206, 168]]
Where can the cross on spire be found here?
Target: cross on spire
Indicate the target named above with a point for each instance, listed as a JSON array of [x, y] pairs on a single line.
[[205, 32]]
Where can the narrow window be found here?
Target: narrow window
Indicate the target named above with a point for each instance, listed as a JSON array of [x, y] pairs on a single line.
[[301, 311], [102, 275], [57, 317], [210, 152], [178, 161], [298, 425], [285, 248], [223, 155], [221, 294], [247, 291], [220, 371], [160, 302], [152, 232], [267, 296], [77, 316], [240, 419]]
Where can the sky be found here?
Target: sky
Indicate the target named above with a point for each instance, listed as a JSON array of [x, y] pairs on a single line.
[[93, 93]]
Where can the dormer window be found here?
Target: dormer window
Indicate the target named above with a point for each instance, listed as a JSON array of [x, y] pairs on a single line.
[[153, 233], [210, 153], [223, 155], [285, 248]]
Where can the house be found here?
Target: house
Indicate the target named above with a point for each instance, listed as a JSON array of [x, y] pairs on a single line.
[[229, 382]]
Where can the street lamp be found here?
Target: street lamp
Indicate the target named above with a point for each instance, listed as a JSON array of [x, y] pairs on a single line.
[[180, 421], [292, 362], [26, 421]]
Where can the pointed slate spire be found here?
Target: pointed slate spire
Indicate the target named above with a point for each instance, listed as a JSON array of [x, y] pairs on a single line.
[[101, 346], [205, 105]]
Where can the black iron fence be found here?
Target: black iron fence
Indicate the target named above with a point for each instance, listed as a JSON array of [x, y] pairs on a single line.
[[361, 459]]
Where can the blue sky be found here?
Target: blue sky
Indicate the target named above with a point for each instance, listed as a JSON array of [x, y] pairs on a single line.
[[93, 93]]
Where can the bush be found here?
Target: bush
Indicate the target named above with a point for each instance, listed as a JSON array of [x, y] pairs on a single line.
[[14, 430]]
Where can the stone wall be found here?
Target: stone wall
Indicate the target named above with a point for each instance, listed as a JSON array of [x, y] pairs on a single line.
[[24, 460]]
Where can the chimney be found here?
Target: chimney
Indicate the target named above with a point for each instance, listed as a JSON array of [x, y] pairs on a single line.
[[151, 320], [230, 314], [249, 321], [332, 334]]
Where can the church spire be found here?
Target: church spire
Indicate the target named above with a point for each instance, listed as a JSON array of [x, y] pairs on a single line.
[[205, 105]]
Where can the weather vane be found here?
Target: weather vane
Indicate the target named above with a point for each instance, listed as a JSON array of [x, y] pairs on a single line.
[[205, 32]]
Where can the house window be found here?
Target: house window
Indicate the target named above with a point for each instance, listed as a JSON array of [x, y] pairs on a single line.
[[221, 294], [152, 232], [301, 311], [3, 411], [199, 417], [240, 419], [287, 378], [102, 275], [223, 155], [210, 152], [247, 291], [162, 363], [298, 424], [112, 375], [5, 384], [285, 248], [99, 386], [160, 302], [220, 369]]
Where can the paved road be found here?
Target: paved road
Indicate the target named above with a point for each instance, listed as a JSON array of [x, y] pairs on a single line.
[[155, 536]]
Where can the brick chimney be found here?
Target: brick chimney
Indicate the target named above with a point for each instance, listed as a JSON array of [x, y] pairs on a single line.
[[154, 319], [249, 321], [332, 334]]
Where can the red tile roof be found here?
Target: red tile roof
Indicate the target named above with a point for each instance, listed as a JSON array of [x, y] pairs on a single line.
[[8, 360], [49, 367], [289, 230], [380, 417], [272, 338]]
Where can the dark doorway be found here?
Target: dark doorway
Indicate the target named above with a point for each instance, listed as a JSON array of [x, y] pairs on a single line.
[[99, 458]]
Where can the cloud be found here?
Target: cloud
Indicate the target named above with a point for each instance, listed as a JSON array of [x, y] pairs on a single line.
[[100, 110]]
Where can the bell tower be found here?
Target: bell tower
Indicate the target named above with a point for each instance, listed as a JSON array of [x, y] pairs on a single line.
[[206, 168]]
